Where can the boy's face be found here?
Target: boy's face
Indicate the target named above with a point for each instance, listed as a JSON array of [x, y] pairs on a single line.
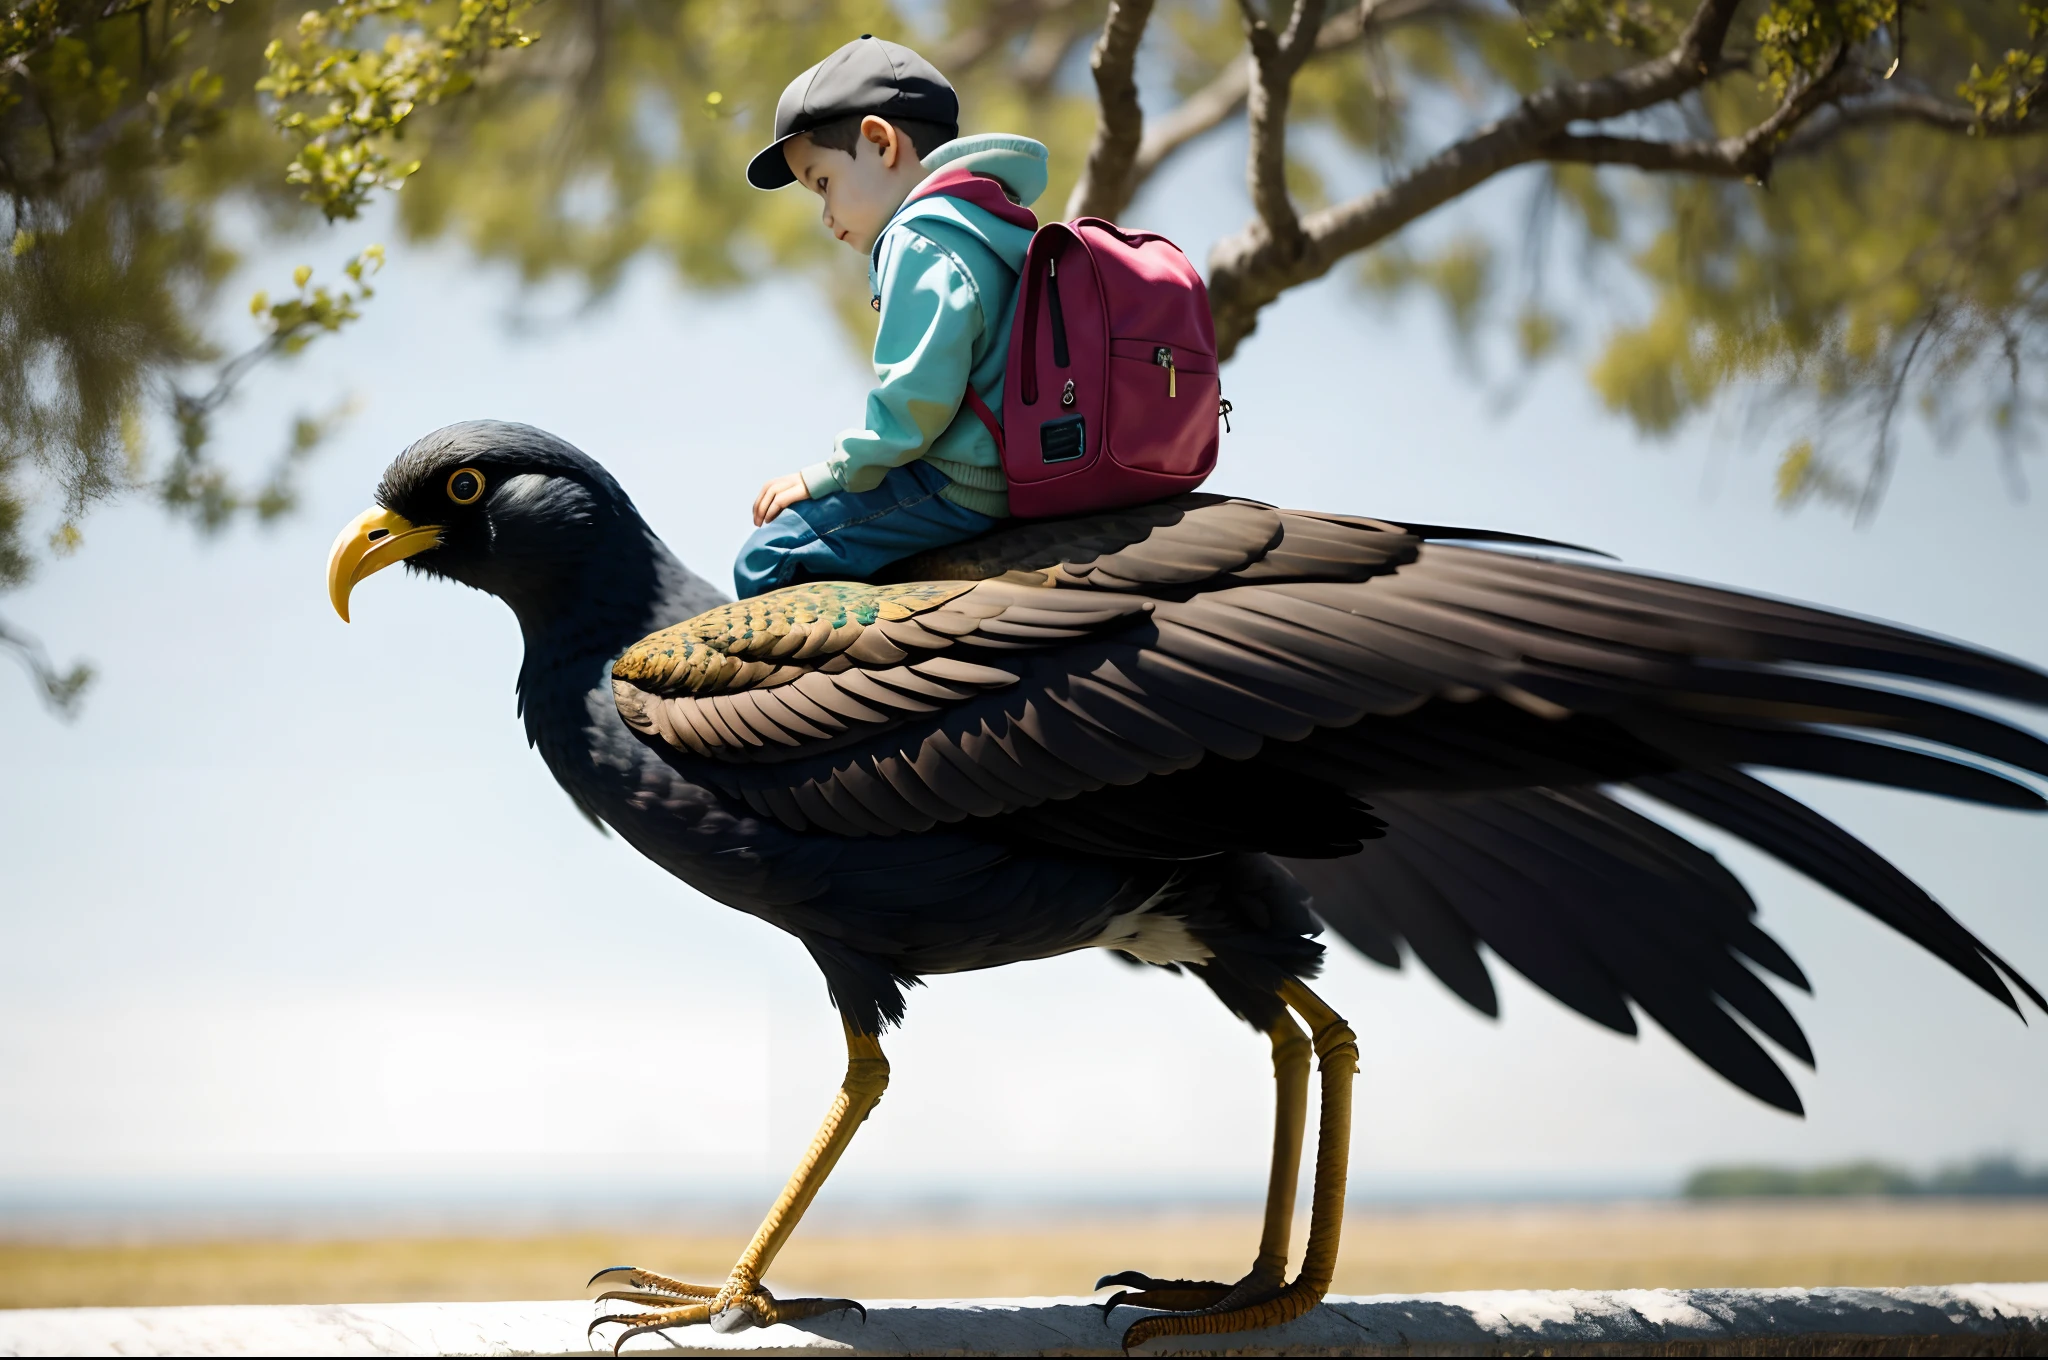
[[862, 191]]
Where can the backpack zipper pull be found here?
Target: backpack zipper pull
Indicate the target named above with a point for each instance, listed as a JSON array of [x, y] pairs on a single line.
[[1163, 356]]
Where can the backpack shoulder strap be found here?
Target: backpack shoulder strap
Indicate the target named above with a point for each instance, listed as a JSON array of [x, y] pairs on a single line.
[[983, 191], [986, 416]]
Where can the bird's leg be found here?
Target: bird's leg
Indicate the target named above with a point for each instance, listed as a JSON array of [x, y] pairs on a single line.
[[1336, 1048], [742, 1301], [1269, 1272], [1290, 1115]]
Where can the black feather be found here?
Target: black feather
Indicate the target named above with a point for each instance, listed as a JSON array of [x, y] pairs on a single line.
[[1802, 839]]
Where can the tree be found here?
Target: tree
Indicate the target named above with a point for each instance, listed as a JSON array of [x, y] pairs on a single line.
[[125, 127], [1831, 208], [1835, 222]]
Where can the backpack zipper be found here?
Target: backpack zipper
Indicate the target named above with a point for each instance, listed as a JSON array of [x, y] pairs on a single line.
[[1163, 356], [1060, 356]]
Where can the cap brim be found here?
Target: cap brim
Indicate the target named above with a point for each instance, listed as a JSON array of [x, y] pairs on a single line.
[[770, 169]]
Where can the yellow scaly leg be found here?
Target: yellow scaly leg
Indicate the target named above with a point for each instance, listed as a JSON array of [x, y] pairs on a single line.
[[1269, 1272], [1336, 1049], [742, 1301]]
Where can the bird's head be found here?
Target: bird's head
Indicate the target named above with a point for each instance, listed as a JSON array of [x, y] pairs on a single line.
[[505, 508]]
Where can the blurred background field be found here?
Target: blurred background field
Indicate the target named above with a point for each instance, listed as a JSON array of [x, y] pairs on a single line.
[[1001, 1253]]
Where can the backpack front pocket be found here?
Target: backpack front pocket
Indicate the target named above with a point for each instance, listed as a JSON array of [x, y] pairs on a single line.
[[1162, 403]]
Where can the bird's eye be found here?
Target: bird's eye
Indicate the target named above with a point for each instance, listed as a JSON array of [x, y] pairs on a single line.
[[465, 486]]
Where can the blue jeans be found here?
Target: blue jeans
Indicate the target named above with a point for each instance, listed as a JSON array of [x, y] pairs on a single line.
[[851, 535]]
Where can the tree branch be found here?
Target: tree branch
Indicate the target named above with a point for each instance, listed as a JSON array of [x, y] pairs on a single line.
[[1105, 184], [1206, 108], [1276, 57], [1882, 455], [1001, 22], [80, 151], [1909, 107], [1747, 155], [1725, 158], [60, 690], [1253, 267], [1799, 127], [1225, 93], [1043, 56]]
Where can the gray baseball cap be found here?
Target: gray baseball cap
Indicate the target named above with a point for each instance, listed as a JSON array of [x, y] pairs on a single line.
[[868, 75]]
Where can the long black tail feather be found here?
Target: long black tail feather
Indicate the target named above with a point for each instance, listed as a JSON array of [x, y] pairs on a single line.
[[1797, 836], [1593, 902], [1602, 907]]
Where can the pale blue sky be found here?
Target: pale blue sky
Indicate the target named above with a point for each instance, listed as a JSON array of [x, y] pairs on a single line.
[[292, 905]]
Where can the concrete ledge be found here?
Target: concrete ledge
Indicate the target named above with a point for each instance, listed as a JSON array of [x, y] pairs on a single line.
[[1975, 1319]]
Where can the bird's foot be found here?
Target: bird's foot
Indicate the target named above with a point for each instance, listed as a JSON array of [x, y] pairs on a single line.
[[741, 1302], [1173, 1296], [1206, 1307]]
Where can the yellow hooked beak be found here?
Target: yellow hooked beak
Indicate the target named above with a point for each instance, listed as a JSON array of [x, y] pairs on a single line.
[[372, 541]]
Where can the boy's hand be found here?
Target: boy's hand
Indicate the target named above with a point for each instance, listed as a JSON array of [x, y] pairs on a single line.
[[778, 495]]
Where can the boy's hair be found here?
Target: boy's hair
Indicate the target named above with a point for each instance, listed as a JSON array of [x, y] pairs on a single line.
[[843, 134]]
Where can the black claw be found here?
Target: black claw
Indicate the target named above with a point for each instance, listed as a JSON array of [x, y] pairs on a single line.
[[644, 1297], [1112, 1301], [632, 1332], [613, 1270], [1136, 1278], [797, 1310]]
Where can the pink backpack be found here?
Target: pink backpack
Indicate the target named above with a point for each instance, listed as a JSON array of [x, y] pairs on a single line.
[[1111, 396]]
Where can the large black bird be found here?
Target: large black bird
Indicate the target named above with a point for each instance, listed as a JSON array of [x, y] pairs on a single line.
[[1189, 732]]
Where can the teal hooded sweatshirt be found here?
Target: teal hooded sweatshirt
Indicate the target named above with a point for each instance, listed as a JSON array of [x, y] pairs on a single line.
[[945, 274]]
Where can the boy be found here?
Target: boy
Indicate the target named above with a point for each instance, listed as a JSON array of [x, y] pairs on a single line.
[[862, 130]]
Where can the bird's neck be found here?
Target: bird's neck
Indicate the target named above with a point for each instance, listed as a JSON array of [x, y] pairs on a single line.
[[590, 612]]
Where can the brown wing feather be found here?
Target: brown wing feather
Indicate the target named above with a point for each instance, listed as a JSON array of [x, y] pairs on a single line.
[[1120, 648]]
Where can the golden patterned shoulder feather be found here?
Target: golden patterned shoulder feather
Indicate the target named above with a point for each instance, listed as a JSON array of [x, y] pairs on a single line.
[[749, 642], [801, 668]]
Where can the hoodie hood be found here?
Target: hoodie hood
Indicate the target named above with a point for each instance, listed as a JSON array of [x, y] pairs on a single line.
[[1018, 162]]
